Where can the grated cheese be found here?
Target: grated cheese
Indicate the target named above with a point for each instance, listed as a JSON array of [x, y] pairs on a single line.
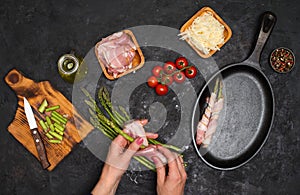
[[205, 33]]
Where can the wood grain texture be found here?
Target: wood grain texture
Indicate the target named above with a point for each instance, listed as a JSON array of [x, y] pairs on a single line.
[[76, 128]]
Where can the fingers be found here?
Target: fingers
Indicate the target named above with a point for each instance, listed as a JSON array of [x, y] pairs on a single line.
[[151, 135], [181, 168], [120, 141], [168, 154], [160, 170], [172, 162], [133, 148], [118, 145], [144, 121]]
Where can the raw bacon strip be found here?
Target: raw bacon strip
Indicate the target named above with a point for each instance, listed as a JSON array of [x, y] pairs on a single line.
[[117, 52], [122, 52], [125, 39], [203, 123], [150, 152], [135, 129]]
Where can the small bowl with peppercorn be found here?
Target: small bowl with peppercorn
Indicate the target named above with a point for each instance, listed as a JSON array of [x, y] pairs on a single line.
[[282, 60]]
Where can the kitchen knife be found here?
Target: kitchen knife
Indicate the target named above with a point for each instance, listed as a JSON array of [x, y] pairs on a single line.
[[35, 134]]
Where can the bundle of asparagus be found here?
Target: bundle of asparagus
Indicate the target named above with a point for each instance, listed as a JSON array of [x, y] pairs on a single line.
[[111, 124], [209, 121]]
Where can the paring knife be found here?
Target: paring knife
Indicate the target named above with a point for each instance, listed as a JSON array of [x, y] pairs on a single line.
[[35, 134]]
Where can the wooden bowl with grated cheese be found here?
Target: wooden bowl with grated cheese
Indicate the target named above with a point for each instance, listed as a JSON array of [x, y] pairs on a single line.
[[205, 32]]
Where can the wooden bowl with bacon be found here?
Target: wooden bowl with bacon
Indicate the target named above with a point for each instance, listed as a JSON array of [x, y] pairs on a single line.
[[119, 54]]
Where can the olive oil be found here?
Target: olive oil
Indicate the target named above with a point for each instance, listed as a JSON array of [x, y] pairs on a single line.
[[68, 65]]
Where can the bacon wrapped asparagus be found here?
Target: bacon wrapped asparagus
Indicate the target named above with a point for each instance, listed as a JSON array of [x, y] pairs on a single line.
[[203, 123], [213, 122], [209, 121]]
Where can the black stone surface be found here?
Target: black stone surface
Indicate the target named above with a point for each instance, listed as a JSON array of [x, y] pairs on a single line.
[[34, 34]]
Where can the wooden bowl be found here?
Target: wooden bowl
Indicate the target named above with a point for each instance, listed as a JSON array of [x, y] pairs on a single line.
[[137, 62], [227, 30]]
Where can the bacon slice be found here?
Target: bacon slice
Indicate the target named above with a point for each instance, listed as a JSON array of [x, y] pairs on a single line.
[[117, 52], [213, 123], [203, 123], [150, 152], [135, 129]]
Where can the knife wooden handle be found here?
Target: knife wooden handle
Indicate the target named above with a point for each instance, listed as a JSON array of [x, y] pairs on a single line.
[[40, 148]]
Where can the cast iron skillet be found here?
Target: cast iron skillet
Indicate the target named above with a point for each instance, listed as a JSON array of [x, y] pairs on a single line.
[[245, 121]]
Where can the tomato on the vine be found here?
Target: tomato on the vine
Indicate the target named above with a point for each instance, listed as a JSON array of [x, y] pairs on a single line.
[[157, 71], [167, 80], [181, 62], [179, 77], [152, 81], [190, 72], [169, 67], [161, 89]]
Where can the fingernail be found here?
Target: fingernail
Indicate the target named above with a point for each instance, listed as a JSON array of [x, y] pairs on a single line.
[[139, 140]]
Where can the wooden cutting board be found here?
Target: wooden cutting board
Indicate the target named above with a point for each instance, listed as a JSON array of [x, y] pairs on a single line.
[[35, 92]]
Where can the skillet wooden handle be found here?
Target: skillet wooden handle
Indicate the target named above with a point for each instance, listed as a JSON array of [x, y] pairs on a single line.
[[268, 22]]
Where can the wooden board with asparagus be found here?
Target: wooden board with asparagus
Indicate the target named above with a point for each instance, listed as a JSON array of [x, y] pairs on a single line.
[[113, 120], [36, 93]]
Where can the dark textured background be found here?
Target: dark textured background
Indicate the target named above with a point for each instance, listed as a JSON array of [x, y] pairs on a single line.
[[33, 34]]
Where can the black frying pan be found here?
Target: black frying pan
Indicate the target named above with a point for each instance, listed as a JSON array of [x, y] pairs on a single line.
[[247, 116]]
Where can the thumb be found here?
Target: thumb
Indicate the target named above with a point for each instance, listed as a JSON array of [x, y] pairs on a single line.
[[133, 148]]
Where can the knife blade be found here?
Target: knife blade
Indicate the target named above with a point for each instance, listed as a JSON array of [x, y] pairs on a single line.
[[36, 135]]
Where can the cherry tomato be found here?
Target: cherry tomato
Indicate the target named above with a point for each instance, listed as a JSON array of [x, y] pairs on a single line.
[[161, 89], [179, 77], [157, 71], [190, 72], [169, 67], [152, 81], [167, 80], [181, 62]]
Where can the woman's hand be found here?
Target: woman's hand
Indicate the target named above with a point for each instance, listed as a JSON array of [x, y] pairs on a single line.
[[173, 182], [117, 162]]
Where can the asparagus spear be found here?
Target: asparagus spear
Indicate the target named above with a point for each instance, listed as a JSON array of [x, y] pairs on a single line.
[[102, 124], [98, 126], [106, 97], [93, 105], [127, 117], [107, 106], [145, 162], [155, 142], [104, 94]]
